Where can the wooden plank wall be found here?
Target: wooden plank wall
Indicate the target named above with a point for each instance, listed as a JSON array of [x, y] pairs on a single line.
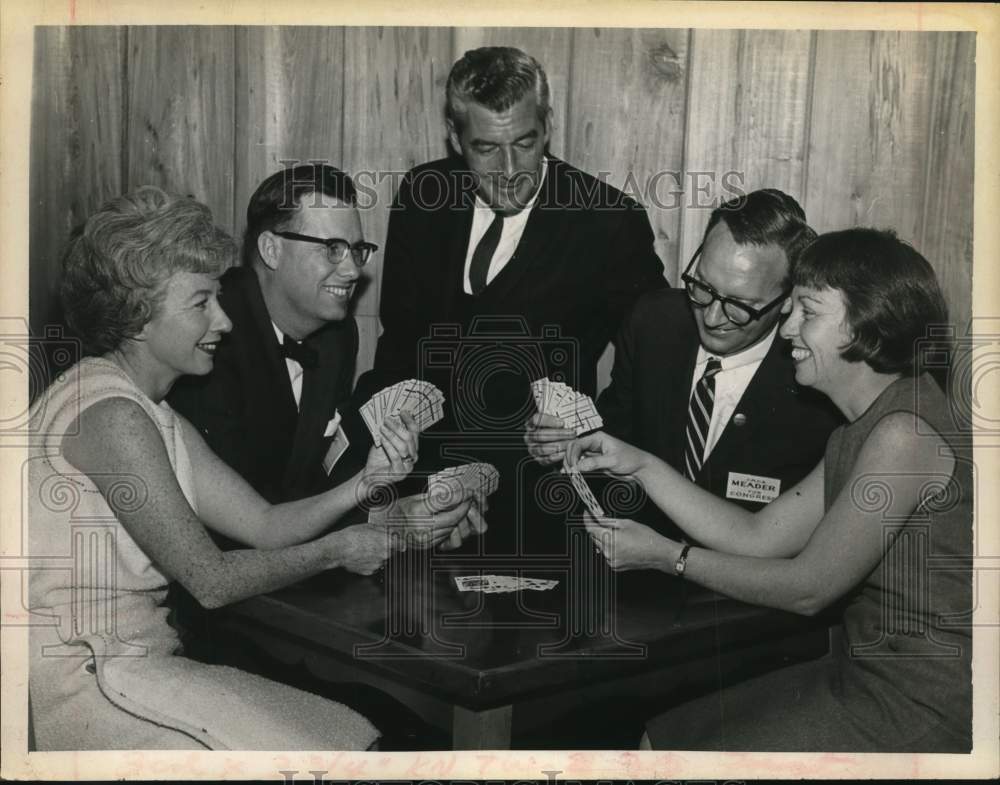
[[76, 160], [864, 128]]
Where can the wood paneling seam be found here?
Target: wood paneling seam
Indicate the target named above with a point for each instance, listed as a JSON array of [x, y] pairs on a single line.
[[932, 116], [807, 130], [124, 176], [678, 262]]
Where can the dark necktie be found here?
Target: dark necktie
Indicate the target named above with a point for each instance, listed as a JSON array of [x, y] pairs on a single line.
[[699, 418], [483, 254], [302, 354]]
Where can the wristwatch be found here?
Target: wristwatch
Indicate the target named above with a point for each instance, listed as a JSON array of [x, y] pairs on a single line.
[[681, 564]]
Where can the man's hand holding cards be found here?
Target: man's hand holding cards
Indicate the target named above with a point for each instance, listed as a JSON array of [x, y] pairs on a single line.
[[422, 523], [576, 410], [563, 414], [396, 416], [422, 400], [394, 458], [475, 481]]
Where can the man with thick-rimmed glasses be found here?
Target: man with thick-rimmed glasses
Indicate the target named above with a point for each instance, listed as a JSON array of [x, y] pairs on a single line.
[[271, 407], [277, 406], [701, 377]]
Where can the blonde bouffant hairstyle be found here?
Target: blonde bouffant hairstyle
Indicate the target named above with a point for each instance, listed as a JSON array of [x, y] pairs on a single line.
[[117, 264]]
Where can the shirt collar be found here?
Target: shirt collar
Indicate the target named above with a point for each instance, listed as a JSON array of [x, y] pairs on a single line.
[[752, 354], [481, 205]]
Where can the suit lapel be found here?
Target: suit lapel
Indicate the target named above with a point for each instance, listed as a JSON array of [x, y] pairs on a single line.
[[673, 412], [544, 227], [273, 376], [676, 387], [316, 403], [771, 385], [456, 249]]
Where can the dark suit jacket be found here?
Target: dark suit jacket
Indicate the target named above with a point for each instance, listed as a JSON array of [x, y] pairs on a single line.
[[786, 426], [585, 255], [245, 409]]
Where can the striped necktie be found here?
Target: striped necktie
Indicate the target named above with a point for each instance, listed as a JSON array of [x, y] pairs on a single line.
[[699, 419]]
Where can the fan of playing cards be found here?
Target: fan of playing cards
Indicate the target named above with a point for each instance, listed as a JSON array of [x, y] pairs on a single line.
[[576, 410], [422, 400], [477, 479], [584, 492]]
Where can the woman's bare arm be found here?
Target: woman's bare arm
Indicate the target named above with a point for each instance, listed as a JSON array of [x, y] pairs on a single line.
[[118, 440]]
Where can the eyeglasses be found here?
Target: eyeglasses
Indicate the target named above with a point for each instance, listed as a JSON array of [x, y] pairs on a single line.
[[702, 295], [336, 248]]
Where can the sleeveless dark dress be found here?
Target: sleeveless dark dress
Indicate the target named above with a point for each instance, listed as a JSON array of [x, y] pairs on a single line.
[[901, 679]]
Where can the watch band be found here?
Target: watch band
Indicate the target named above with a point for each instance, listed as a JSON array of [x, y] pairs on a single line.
[[681, 564]]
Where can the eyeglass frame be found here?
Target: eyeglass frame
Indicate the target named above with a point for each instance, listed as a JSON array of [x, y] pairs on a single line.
[[755, 314], [360, 246]]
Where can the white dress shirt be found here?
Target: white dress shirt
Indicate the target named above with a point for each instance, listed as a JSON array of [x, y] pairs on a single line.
[[294, 369], [510, 236], [730, 383]]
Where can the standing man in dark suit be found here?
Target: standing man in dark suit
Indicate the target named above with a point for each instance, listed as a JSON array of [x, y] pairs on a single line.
[[504, 264], [701, 378]]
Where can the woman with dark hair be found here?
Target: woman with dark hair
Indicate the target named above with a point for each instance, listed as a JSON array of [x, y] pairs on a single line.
[[892, 490], [127, 487]]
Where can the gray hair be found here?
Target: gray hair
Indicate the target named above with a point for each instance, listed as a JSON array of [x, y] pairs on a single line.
[[496, 77], [117, 264]]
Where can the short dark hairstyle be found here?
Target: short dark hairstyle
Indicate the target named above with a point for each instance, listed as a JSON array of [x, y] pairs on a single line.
[[116, 265], [766, 217], [496, 77], [890, 291], [276, 201]]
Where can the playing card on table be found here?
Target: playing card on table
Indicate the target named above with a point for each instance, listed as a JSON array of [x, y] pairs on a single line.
[[422, 400], [537, 584], [585, 494], [499, 584], [576, 410], [472, 582]]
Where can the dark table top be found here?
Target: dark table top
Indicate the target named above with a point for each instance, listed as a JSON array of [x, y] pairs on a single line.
[[412, 624]]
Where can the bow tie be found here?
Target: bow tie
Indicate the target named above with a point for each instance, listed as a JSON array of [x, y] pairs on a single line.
[[302, 354]]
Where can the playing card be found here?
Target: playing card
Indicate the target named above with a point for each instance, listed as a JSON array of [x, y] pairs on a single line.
[[476, 478], [537, 584], [337, 448], [502, 584], [421, 399], [585, 494], [576, 410], [471, 582]]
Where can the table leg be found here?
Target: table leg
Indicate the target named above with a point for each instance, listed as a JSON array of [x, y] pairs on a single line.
[[481, 730]]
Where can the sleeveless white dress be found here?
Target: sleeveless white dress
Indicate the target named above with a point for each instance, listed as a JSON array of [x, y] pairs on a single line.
[[105, 666]]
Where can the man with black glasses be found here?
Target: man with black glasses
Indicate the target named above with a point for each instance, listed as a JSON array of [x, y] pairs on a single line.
[[702, 379], [271, 407], [278, 405]]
